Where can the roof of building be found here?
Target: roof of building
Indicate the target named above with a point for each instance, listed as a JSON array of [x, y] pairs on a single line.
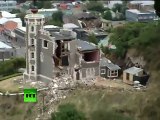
[[59, 36], [10, 1], [85, 46], [22, 29], [33, 16], [50, 26], [47, 10], [104, 42], [98, 32], [3, 20], [70, 26], [70, 19], [105, 62], [17, 20], [10, 25], [4, 46], [134, 10], [7, 14], [137, 11], [149, 2], [133, 70]]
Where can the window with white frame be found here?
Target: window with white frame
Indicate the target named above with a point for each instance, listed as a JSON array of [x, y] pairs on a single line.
[[114, 72], [45, 44], [103, 71]]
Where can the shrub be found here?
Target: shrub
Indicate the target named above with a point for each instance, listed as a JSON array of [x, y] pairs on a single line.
[[67, 112], [11, 66]]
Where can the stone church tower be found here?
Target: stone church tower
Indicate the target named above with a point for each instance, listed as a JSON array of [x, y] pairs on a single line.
[[34, 22]]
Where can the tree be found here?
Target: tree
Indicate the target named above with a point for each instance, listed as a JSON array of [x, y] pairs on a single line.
[[105, 50], [107, 15], [117, 7], [57, 18], [42, 4], [121, 8], [67, 112], [95, 6], [47, 5], [92, 38], [124, 37], [157, 7], [15, 11], [21, 16], [107, 115], [11, 66]]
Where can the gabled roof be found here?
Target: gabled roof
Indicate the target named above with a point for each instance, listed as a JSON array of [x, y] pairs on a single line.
[[85, 46], [3, 20], [133, 70], [7, 14], [105, 62], [4, 46], [17, 20]]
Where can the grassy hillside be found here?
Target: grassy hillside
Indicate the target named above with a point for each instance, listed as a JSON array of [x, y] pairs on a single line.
[[13, 108]]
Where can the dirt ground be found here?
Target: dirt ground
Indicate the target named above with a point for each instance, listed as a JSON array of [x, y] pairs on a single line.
[[117, 83], [10, 85]]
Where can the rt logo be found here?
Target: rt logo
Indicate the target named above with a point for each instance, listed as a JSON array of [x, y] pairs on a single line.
[[30, 95]]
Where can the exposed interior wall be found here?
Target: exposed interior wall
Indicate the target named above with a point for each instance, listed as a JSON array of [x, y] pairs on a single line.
[[128, 81], [91, 56], [65, 61], [61, 53], [58, 49]]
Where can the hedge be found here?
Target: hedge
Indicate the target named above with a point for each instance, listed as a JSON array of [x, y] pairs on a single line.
[[11, 66]]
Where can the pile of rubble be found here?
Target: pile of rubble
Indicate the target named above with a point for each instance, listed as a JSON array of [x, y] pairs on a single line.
[[88, 81], [57, 90]]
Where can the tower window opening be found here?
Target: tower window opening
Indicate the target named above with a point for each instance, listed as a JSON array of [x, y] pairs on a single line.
[[32, 29], [32, 41], [45, 44], [32, 55], [32, 68]]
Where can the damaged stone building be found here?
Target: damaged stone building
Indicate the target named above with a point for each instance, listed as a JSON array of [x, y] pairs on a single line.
[[51, 54]]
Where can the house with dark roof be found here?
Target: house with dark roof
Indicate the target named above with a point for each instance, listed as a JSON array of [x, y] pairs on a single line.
[[108, 69]]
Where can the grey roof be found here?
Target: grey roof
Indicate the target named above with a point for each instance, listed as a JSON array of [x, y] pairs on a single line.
[[99, 32], [133, 70], [59, 36], [53, 29], [86, 46], [85, 15], [70, 19], [105, 62]]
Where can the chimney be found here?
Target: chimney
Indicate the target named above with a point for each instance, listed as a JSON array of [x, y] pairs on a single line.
[[1, 15]]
